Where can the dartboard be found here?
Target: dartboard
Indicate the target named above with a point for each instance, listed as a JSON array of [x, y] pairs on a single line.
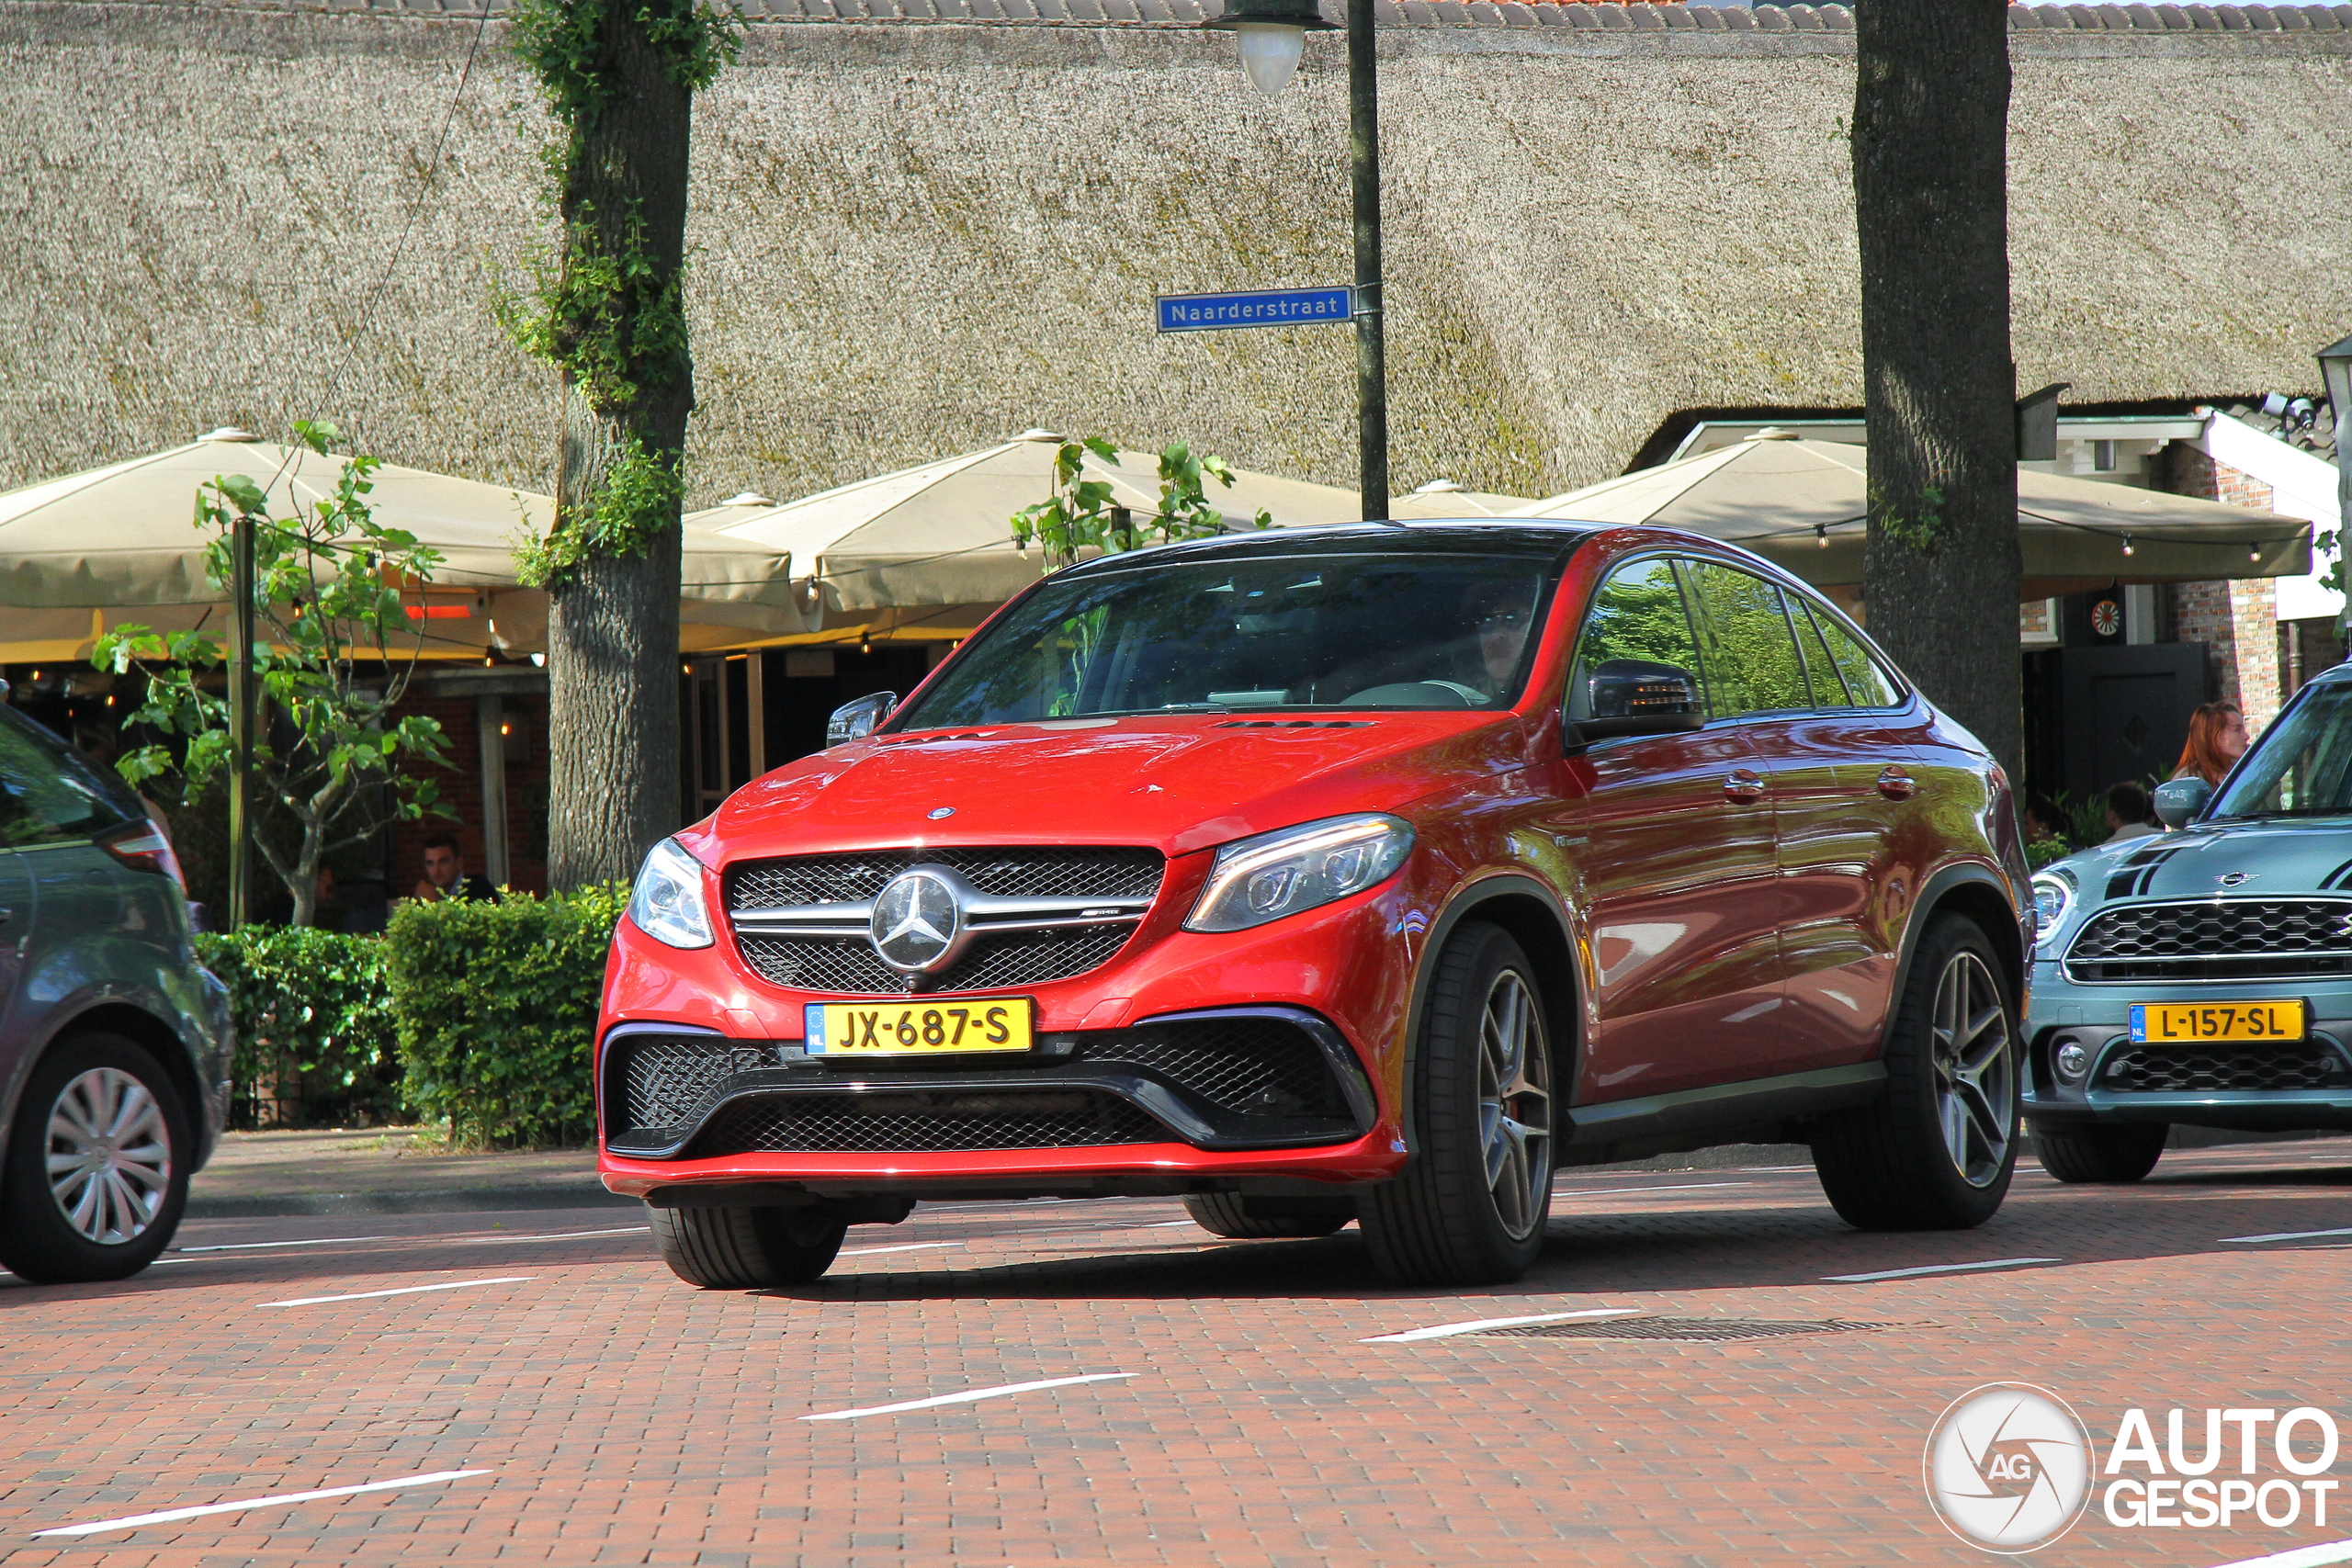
[[2107, 617]]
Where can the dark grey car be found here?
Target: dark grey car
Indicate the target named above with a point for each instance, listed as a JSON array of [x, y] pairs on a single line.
[[113, 1041]]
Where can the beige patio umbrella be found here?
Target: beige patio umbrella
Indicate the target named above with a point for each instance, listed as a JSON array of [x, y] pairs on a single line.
[[1799, 504], [116, 544], [928, 550], [1443, 498]]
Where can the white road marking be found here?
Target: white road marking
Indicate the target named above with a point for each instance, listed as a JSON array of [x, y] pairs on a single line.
[[2288, 1235], [1777, 1170], [133, 1521], [2301, 1557], [967, 1397], [1447, 1330], [1938, 1268], [1603, 1191], [403, 1290], [565, 1236], [256, 1246], [908, 1247]]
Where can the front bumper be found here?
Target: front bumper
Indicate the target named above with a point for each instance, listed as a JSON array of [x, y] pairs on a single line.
[[2302, 1086]]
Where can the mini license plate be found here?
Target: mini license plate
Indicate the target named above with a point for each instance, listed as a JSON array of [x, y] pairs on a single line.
[[2155, 1024], [918, 1029]]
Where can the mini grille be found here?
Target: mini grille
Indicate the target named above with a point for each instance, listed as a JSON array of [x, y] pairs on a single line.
[[1252, 1065], [2210, 1069], [1045, 873], [914, 1121], [2218, 938], [1707, 1330], [849, 966]]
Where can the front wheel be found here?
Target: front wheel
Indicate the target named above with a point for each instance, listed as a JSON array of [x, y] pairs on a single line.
[[2101, 1153], [1470, 1205], [1936, 1151], [97, 1165], [1244, 1219], [748, 1248]]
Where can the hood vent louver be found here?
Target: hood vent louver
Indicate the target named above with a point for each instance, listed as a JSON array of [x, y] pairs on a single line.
[[1293, 724]]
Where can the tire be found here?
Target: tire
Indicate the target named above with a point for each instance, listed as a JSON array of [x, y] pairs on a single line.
[[745, 1250], [1469, 1207], [109, 1101], [1936, 1150], [1228, 1214], [2101, 1153]]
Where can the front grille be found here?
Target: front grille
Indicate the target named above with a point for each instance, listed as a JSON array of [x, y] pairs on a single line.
[[926, 1121], [2216, 939], [658, 1087], [849, 966], [2213, 1069], [1261, 1066]]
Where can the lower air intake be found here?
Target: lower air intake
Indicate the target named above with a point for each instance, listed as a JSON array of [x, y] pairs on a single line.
[[925, 1122]]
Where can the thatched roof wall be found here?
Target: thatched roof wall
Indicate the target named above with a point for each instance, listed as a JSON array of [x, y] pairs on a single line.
[[917, 238]]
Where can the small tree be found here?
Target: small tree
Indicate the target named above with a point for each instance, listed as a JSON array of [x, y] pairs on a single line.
[[1078, 514], [326, 748]]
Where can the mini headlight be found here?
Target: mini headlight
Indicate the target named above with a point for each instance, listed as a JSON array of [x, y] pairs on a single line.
[[2053, 897], [1263, 878], [667, 904]]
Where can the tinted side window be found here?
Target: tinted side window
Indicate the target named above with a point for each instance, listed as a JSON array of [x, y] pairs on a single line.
[[1829, 688], [49, 793], [1638, 614], [1743, 637], [1867, 679]]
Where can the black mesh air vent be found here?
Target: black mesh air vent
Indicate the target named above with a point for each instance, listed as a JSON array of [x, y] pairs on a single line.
[[2211, 1069], [925, 1120], [1251, 1065]]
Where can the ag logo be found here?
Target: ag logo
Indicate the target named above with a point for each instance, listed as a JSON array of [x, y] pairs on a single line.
[[2008, 1468], [917, 921]]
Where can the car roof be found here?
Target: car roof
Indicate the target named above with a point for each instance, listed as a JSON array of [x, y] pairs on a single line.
[[1537, 538]]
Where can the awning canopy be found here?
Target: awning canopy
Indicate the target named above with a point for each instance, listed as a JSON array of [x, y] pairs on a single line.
[[116, 544], [1799, 504], [933, 543]]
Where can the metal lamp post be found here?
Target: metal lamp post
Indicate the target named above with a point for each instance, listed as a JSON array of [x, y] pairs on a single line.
[[1273, 35], [2335, 373]]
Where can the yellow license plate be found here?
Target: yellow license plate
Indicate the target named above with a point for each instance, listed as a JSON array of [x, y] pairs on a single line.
[[2184, 1023], [918, 1029]]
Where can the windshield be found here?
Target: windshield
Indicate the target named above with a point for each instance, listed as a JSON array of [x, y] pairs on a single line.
[[1372, 629], [2302, 765]]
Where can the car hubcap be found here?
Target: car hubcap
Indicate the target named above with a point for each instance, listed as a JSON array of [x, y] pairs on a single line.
[[1515, 1105], [1976, 1062], [109, 1156]]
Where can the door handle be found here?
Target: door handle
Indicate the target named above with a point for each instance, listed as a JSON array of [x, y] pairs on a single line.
[[1742, 786], [1896, 784]]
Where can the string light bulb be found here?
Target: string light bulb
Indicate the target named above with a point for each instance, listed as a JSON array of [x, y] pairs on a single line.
[[1821, 535], [2254, 553], [865, 644], [2127, 544]]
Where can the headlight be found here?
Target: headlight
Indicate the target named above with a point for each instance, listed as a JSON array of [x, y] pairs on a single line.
[[1261, 879], [666, 904], [2054, 898]]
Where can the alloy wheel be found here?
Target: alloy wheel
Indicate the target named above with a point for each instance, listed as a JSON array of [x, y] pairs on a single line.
[[1975, 1067], [1515, 1104], [109, 1156]]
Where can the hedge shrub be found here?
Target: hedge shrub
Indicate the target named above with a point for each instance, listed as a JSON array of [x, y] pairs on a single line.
[[496, 1005], [315, 1036]]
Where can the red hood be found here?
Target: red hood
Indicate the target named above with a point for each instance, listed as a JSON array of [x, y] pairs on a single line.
[[1179, 784]]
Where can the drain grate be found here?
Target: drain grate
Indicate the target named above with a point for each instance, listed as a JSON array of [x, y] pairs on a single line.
[[1695, 1329]]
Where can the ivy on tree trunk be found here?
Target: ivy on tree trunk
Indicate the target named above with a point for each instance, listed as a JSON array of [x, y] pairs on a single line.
[[1931, 147], [608, 312]]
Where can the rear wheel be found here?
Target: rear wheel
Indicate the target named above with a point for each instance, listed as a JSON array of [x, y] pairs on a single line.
[[1228, 1214], [1935, 1152], [2101, 1153], [741, 1250], [97, 1165], [1470, 1205]]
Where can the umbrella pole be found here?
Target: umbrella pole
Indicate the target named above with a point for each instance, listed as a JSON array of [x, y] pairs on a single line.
[[240, 719]]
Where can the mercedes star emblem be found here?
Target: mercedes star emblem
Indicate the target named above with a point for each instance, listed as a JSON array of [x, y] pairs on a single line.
[[917, 919]]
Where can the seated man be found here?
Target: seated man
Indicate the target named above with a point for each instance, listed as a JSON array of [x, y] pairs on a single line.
[[445, 874], [2127, 814]]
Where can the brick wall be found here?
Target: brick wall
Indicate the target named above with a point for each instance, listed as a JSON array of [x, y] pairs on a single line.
[[2237, 621]]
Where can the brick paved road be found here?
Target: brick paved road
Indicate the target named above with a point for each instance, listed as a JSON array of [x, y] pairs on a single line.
[[621, 1417]]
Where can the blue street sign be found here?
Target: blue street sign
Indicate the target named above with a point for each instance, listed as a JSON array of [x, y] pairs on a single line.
[[1258, 308]]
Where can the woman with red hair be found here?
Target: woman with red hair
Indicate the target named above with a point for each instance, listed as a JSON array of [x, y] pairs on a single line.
[[2216, 740]]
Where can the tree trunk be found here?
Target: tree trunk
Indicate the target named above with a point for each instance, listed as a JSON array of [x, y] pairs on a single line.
[[613, 622], [1930, 144]]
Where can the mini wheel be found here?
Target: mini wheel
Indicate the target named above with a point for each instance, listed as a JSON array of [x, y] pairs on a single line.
[[2101, 1153]]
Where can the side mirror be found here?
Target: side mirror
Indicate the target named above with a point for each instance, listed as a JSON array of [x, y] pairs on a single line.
[[1633, 696], [855, 721], [2181, 800]]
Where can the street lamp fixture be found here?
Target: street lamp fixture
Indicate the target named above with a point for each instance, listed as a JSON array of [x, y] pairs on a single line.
[[2335, 374], [1273, 35]]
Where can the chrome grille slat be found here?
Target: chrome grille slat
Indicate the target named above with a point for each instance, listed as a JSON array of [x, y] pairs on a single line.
[[2215, 938]]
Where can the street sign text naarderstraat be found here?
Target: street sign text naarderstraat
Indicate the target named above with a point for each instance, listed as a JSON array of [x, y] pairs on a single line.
[[1256, 307]]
